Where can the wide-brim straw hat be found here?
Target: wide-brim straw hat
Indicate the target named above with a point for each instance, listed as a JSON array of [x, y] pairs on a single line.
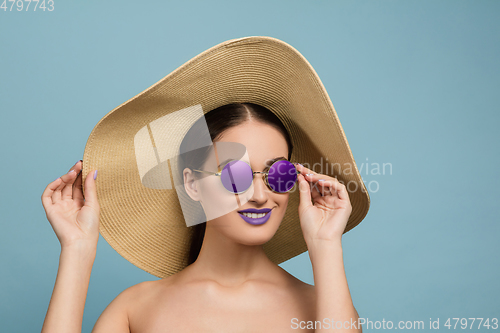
[[146, 226]]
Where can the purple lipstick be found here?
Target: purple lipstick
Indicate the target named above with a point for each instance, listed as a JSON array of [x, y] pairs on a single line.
[[255, 216]]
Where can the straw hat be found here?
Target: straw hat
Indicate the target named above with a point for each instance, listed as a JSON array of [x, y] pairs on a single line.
[[146, 225]]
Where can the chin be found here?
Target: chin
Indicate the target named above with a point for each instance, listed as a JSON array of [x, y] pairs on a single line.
[[256, 238], [252, 235]]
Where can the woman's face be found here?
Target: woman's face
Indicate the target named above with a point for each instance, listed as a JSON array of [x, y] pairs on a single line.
[[263, 143]]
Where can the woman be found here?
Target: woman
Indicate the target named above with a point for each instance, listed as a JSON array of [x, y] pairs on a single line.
[[230, 285]]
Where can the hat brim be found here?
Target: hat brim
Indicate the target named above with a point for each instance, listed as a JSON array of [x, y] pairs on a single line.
[[146, 226]]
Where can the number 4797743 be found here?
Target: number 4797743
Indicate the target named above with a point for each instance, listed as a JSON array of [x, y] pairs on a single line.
[[25, 5]]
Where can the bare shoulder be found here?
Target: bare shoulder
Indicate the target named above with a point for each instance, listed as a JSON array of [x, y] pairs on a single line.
[[300, 290], [116, 316], [150, 301], [142, 290], [168, 304], [146, 294]]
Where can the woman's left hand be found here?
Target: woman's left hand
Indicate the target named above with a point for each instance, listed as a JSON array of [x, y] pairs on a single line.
[[324, 206]]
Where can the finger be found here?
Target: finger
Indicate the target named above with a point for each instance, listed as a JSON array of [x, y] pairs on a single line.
[[334, 187], [318, 185], [323, 188], [67, 189], [56, 196], [304, 193], [313, 179], [309, 176], [340, 189], [48, 192], [77, 187], [91, 191], [342, 192], [315, 191], [303, 170], [328, 187], [313, 176]]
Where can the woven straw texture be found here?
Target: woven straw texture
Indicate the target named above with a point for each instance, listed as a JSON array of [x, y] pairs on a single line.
[[146, 226]]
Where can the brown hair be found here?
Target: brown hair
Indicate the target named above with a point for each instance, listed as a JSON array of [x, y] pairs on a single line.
[[218, 121]]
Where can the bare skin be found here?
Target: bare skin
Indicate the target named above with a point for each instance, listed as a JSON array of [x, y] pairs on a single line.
[[232, 286]]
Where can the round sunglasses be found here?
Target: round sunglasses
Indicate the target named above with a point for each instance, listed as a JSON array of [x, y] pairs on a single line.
[[237, 176]]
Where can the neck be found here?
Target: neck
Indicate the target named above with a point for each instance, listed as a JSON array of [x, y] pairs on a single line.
[[230, 263]]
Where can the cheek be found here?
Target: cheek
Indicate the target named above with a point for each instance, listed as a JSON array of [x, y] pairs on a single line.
[[281, 199], [215, 199]]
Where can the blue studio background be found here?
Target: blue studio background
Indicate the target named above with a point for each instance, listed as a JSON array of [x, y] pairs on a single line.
[[415, 85]]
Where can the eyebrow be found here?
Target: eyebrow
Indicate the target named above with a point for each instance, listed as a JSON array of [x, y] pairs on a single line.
[[225, 161], [269, 162]]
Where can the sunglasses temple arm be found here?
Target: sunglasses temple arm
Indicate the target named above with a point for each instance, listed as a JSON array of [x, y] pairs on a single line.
[[208, 172]]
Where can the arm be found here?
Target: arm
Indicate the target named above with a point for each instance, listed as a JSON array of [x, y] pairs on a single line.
[[65, 311], [115, 317], [75, 221], [333, 299], [323, 220], [66, 305]]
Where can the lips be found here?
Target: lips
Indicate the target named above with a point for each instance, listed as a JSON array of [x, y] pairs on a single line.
[[254, 210], [254, 216]]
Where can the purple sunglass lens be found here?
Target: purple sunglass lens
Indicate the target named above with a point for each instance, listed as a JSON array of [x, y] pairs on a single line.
[[237, 176], [282, 176]]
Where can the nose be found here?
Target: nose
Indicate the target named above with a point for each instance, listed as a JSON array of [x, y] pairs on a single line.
[[260, 190]]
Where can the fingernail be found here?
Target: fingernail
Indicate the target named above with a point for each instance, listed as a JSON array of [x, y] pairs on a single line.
[[309, 174], [321, 180], [95, 174], [70, 171]]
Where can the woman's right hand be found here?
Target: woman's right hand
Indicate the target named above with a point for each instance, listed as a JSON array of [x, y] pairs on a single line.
[[75, 220]]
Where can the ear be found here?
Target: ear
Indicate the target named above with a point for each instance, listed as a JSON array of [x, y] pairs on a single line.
[[190, 184]]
